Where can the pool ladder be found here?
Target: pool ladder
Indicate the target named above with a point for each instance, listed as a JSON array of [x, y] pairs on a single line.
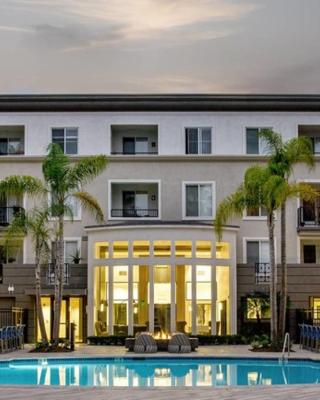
[[286, 344]]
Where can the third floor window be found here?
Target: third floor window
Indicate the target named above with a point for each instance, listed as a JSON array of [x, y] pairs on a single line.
[[254, 143], [66, 138], [198, 141]]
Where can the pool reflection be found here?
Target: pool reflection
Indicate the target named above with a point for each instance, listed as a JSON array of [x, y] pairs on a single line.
[[157, 372]]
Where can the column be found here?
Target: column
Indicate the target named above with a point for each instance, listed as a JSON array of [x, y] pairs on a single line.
[[173, 299], [110, 300], [214, 300], [130, 299], [151, 300], [194, 298]]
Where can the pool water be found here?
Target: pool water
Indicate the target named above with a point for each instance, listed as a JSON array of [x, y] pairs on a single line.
[[145, 372]]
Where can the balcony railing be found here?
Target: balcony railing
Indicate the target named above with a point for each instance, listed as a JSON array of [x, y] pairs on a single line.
[[127, 153], [262, 273], [11, 148], [308, 217], [51, 274], [134, 213], [7, 214]]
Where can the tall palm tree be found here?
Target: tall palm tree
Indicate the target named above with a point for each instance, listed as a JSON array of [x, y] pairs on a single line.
[[283, 156], [65, 180], [261, 188], [36, 224]]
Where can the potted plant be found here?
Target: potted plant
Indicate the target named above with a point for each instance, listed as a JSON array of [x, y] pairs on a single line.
[[76, 257]]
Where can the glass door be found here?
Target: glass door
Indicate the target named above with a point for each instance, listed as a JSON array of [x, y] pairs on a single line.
[[128, 145], [63, 320]]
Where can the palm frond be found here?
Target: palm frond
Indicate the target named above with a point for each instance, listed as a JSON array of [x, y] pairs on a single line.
[[272, 140], [89, 203], [16, 185], [86, 170]]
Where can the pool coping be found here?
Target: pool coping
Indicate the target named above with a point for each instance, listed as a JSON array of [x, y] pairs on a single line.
[[139, 357]]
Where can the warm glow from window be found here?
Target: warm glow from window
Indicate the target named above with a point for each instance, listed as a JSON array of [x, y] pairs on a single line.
[[203, 249], [183, 248], [162, 248], [222, 250], [101, 250], [120, 249], [141, 248]]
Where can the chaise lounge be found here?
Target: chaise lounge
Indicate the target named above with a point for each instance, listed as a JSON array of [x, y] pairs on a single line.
[[145, 343], [179, 343]]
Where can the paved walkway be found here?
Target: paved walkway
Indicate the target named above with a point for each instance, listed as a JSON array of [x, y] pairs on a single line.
[[292, 392]]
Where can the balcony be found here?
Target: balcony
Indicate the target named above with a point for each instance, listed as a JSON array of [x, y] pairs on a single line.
[[134, 139], [308, 218], [262, 273], [51, 274], [313, 133], [7, 214], [130, 200], [134, 213], [11, 140]]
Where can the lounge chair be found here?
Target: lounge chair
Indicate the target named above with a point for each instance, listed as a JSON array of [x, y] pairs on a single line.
[[145, 343], [179, 343]]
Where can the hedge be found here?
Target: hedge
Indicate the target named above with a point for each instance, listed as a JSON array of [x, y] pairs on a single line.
[[204, 340]]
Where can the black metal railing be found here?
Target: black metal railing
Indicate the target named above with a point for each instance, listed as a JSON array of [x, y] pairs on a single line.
[[262, 272], [7, 214], [308, 217], [8, 150], [11, 316], [133, 153], [51, 274], [134, 213]]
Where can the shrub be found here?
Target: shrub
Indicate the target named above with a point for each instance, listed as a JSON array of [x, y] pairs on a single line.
[[204, 340]]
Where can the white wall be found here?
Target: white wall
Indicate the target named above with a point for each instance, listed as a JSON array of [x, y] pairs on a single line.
[[95, 131]]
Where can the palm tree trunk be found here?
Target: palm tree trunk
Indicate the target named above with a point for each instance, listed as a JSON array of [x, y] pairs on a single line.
[[284, 274], [59, 279], [44, 337], [273, 280]]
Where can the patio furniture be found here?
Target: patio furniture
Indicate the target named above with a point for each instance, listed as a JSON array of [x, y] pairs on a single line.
[[179, 343], [162, 344], [145, 343]]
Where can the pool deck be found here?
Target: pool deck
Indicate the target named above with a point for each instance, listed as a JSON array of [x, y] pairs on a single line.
[[292, 392]]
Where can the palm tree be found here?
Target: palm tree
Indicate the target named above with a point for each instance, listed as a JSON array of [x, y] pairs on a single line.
[[36, 224], [283, 157], [65, 180], [261, 188]]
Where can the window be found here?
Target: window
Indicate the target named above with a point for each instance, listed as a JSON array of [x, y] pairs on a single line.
[[73, 210], [71, 251], [198, 140], [257, 251], [258, 308], [256, 212], [199, 200], [309, 254], [254, 144], [66, 138]]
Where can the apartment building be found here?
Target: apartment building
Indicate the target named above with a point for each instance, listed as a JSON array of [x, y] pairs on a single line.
[[155, 263]]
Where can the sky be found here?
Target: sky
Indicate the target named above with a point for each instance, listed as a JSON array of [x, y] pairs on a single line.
[[159, 46]]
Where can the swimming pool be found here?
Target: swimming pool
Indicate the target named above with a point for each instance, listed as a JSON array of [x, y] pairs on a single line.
[[147, 372]]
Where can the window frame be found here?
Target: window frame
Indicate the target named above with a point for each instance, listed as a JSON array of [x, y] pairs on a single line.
[[65, 128], [77, 217], [259, 128], [256, 239], [184, 199], [259, 217], [199, 140]]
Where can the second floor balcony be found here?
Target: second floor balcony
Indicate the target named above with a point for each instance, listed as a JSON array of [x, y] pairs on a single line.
[[51, 274], [134, 200]]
